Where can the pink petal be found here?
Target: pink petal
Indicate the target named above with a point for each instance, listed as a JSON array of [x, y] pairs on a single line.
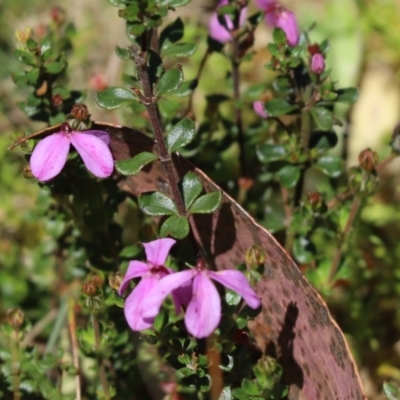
[[217, 31], [164, 287], [204, 311], [49, 156], [135, 304], [287, 21], [103, 135], [258, 107], [135, 269], [263, 4], [157, 251], [237, 282], [94, 152]]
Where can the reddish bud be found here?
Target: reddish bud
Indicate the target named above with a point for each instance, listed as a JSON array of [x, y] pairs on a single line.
[[318, 63], [57, 100], [57, 14], [368, 159], [98, 82], [90, 288], [80, 112], [317, 202], [313, 49]]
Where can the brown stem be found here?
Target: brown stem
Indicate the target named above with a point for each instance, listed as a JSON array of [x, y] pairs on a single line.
[[151, 107], [102, 371], [338, 253], [215, 372]]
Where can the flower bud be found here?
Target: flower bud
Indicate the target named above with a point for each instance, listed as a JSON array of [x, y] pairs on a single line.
[[23, 36], [318, 63], [80, 112], [15, 317], [27, 172], [254, 256], [114, 280], [258, 107], [368, 159], [279, 17], [57, 14], [317, 202], [57, 100], [90, 288]]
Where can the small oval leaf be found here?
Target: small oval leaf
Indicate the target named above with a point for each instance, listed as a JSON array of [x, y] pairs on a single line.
[[181, 134], [113, 97], [176, 226], [206, 204], [192, 188], [169, 81], [157, 203], [322, 117], [288, 175], [277, 107], [133, 165]]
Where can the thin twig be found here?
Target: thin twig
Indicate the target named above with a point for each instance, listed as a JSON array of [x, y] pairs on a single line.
[[15, 365], [215, 372]]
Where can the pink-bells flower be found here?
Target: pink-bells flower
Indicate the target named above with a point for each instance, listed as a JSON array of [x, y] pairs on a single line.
[[318, 63], [279, 17], [218, 31], [50, 154], [151, 272], [258, 107], [203, 312]]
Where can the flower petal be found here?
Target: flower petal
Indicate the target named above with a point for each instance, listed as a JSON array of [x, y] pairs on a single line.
[[204, 311], [94, 152], [49, 156], [103, 135], [217, 31], [237, 282], [135, 269], [134, 304], [157, 251], [164, 287]]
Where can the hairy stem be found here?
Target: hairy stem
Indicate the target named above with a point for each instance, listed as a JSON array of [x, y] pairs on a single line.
[[140, 59]]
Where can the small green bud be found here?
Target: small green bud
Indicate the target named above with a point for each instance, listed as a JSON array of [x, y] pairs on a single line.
[[15, 317]]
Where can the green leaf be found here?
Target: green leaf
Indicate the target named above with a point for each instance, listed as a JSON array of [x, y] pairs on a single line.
[[46, 48], [279, 36], [277, 107], [134, 164], [178, 3], [157, 203], [113, 97], [348, 95], [271, 152], [122, 53], [288, 175], [179, 49], [191, 187], [25, 57], [136, 28], [169, 107], [180, 135], [172, 32], [176, 226], [330, 165], [391, 391], [185, 89], [206, 204], [322, 117], [169, 81], [55, 67], [250, 387]]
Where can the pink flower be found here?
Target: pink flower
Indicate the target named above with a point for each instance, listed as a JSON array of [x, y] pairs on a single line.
[[317, 63], [258, 107], [151, 272], [279, 17], [218, 31], [203, 312], [50, 154]]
